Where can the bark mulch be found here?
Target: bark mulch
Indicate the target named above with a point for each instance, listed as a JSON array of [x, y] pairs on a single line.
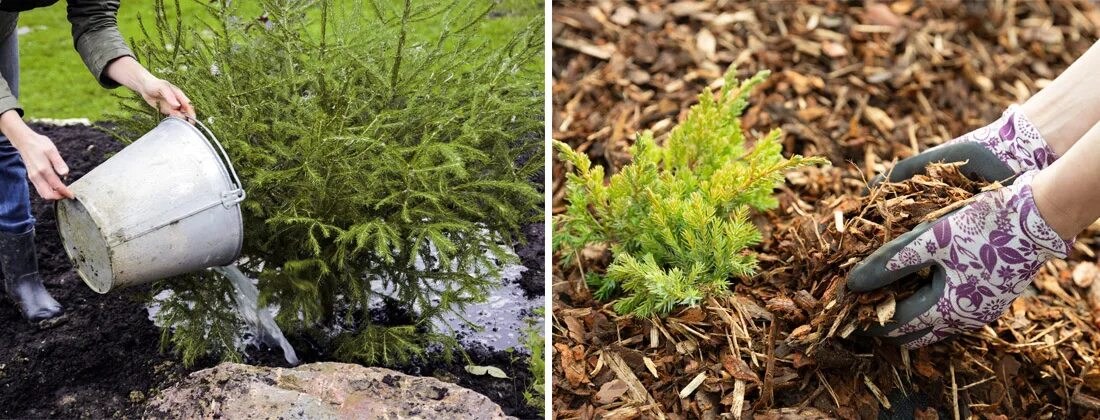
[[863, 85]]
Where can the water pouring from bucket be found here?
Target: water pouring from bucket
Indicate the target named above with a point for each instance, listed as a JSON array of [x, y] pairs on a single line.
[[166, 205]]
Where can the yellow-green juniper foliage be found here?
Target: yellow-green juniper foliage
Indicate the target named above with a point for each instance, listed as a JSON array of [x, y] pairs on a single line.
[[677, 218], [369, 151]]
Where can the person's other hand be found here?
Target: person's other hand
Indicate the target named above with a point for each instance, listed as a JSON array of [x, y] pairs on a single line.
[[982, 257], [45, 167], [166, 98], [158, 93], [997, 152]]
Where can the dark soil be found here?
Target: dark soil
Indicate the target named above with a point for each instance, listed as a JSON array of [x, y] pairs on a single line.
[[508, 393], [532, 254], [532, 251], [104, 359]]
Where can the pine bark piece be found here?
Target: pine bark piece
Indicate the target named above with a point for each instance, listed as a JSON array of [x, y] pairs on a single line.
[[611, 391], [573, 364]]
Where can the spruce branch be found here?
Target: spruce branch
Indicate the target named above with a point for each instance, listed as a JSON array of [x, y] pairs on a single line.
[[378, 160]]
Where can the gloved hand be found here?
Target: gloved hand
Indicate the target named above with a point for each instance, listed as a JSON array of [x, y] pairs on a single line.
[[997, 152], [982, 258]]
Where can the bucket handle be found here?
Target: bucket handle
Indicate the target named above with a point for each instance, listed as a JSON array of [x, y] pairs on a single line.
[[229, 198]]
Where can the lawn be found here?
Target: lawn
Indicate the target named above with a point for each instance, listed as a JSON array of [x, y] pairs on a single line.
[[55, 84]]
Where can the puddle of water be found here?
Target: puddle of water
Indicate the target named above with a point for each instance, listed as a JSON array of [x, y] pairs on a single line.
[[502, 317]]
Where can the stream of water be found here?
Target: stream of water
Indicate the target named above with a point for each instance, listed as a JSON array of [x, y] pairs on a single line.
[[259, 319]]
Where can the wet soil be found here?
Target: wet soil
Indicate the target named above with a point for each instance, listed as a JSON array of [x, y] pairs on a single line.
[[532, 250], [104, 359], [508, 393], [532, 255]]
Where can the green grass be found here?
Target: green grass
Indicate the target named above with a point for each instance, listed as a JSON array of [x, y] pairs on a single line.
[[53, 80], [55, 84]]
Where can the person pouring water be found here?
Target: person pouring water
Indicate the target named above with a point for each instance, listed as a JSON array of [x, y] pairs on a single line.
[[26, 155]]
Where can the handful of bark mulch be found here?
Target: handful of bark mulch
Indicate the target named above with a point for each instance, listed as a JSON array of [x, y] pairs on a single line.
[[811, 249]]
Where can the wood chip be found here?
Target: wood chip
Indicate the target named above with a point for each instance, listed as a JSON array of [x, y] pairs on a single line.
[[738, 398], [691, 386], [1085, 273], [885, 311], [635, 389], [649, 365], [876, 392]]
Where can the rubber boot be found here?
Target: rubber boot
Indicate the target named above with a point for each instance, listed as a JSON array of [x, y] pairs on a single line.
[[19, 261]]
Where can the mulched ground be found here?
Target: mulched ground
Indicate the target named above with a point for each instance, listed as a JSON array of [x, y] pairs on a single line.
[[860, 84], [104, 360]]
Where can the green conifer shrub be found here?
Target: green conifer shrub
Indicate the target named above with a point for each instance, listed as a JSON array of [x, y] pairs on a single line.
[[677, 218], [377, 141]]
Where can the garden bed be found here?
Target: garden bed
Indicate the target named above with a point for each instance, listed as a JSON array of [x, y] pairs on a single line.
[[861, 85], [104, 359]]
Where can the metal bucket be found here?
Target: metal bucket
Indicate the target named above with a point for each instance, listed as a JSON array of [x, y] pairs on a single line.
[[165, 205]]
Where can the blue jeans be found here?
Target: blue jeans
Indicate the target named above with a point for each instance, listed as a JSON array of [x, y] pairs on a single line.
[[15, 197]]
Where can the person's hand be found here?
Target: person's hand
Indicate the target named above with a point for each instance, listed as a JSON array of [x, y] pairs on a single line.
[[158, 93], [982, 257], [166, 98], [45, 167], [997, 152]]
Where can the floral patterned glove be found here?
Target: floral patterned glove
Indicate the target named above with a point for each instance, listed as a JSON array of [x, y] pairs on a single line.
[[1008, 147], [982, 258]]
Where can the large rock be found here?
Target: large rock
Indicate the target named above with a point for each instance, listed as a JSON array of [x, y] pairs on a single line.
[[317, 391]]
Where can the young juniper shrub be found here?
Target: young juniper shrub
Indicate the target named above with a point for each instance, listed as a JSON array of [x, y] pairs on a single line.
[[677, 218]]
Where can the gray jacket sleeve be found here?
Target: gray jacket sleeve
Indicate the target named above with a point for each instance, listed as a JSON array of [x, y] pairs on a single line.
[[8, 100], [96, 36]]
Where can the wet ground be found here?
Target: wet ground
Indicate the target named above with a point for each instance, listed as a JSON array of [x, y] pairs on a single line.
[[502, 318], [499, 322], [104, 359]]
